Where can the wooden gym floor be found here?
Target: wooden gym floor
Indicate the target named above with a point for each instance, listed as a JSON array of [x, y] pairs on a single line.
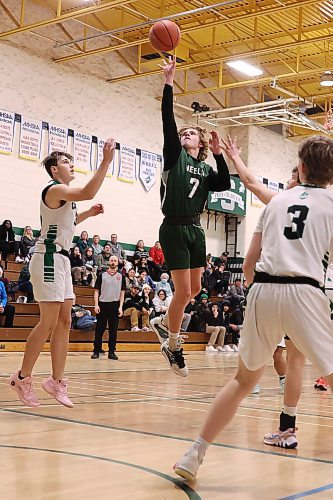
[[133, 418]]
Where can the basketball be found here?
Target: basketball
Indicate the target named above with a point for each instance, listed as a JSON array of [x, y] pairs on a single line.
[[164, 35]]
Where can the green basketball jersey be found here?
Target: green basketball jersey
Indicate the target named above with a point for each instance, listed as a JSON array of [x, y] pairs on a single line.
[[185, 187]]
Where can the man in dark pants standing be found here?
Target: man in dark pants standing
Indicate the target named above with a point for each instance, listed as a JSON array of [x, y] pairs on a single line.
[[109, 298], [6, 309]]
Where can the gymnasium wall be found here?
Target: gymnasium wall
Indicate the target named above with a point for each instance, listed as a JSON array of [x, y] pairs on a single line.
[[36, 87]]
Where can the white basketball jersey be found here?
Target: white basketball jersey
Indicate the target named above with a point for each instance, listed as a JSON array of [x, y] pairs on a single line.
[[58, 225], [297, 233]]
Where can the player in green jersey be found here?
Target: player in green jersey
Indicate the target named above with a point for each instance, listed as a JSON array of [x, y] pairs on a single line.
[[186, 181]]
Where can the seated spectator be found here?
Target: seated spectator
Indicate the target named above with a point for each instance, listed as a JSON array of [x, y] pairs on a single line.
[[144, 279], [161, 302], [135, 307], [83, 242], [102, 260], [223, 259], [236, 290], [82, 318], [191, 309], [97, 248], [89, 263], [230, 327], [142, 264], [140, 252], [201, 313], [77, 268], [156, 262], [209, 261], [164, 285], [5, 281], [130, 278], [216, 282], [6, 309], [25, 284], [8, 244], [117, 249], [214, 326], [245, 287], [145, 294], [236, 311], [27, 244]]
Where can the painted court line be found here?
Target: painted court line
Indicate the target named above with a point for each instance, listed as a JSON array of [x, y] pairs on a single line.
[[309, 492]]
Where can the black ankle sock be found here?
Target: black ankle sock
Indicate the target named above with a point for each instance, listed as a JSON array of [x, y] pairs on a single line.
[[20, 376], [283, 377], [287, 422]]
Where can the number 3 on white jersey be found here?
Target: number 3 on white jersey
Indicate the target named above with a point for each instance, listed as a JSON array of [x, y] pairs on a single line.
[[195, 183]]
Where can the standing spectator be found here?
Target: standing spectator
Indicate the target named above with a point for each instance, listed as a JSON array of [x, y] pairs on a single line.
[[25, 284], [8, 245], [144, 279], [130, 279], [6, 309], [89, 262], [27, 244], [117, 249], [135, 306], [140, 252], [83, 242], [77, 268], [109, 299], [214, 326], [102, 260], [97, 248], [157, 262], [164, 285]]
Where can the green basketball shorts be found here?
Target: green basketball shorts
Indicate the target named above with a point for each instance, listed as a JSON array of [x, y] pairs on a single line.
[[184, 246]]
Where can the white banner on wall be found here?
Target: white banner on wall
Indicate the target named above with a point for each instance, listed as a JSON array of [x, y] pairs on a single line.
[[99, 157], [255, 202], [58, 138], [148, 169], [273, 186], [82, 151], [7, 121], [30, 139], [127, 163]]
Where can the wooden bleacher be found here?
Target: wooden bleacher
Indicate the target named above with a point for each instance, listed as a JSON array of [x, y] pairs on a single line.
[[27, 316]]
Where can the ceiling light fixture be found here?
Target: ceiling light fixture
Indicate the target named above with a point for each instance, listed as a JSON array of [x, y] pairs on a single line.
[[246, 68], [326, 79]]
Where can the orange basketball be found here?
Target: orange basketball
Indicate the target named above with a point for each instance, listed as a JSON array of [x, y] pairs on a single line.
[[164, 35]]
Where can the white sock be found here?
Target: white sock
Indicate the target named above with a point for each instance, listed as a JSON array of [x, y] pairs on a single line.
[[202, 446], [290, 410], [173, 341]]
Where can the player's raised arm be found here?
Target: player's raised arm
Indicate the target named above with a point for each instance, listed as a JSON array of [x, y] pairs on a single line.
[[220, 180], [248, 178], [172, 147], [60, 192]]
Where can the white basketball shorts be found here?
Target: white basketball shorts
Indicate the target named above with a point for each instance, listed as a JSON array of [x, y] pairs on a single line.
[[302, 312], [51, 277]]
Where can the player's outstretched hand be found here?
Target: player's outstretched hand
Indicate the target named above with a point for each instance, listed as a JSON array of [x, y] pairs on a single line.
[[230, 147], [169, 69], [96, 210], [108, 150], [214, 143]]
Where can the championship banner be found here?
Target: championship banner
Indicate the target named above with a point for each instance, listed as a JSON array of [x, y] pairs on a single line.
[[58, 137], [148, 169], [82, 152], [255, 202], [232, 201], [99, 157], [30, 139], [7, 123], [127, 163]]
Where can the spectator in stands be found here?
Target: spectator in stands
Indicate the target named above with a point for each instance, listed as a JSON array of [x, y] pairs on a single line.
[[135, 306], [6, 309], [27, 244], [144, 279], [216, 282], [236, 290], [191, 309], [130, 278], [214, 326], [157, 262], [83, 242], [109, 299], [164, 285], [77, 268], [201, 312], [140, 252], [236, 310], [230, 327], [25, 284], [161, 302], [117, 249], [102, 260], [89, 263], [161, 305], [223, 259], [82, 318], [97, 248], [209, 261], [145, 294], [245, 287], [8, 244]]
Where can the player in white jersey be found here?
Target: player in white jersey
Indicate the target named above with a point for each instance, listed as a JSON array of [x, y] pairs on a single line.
[[286, 265], [51, 273]]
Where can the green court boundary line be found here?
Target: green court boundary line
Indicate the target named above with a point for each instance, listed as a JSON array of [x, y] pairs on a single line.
[[165, 436], [191, 494]]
